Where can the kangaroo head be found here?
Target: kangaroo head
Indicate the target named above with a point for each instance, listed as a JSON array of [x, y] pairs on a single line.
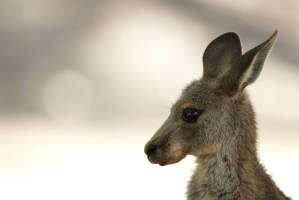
[[202, 118]]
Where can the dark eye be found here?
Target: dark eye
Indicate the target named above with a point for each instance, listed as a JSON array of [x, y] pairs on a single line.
[[190, 115]]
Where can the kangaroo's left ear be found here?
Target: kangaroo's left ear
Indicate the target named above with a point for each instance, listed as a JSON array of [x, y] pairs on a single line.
[[252, 62], [248, 67]]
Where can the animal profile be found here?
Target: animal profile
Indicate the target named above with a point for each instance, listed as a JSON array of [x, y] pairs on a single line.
[[214, 121]]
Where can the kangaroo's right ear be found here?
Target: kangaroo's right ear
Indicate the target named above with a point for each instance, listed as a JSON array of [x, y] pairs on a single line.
[[220, 54]]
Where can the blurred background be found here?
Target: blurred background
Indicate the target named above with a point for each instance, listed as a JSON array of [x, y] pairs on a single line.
[[84, 84]]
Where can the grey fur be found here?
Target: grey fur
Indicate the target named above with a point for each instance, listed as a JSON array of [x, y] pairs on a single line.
[[224, 137]]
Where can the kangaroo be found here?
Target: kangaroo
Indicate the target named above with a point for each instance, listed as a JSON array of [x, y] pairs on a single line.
[[214, 121]]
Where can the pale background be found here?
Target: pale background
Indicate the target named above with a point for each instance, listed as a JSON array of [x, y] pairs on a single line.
[[84, 84]]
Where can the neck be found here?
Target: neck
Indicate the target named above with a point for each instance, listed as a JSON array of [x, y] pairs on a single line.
[[221, 172]]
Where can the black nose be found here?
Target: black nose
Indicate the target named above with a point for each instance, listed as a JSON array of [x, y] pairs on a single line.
[[150, 148]]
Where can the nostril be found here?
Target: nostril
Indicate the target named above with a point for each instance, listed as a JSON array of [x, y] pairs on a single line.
[[150, 148]]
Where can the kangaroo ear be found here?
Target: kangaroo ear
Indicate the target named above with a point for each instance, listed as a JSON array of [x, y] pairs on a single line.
[[252, 62], [220, 53], [246, 70]]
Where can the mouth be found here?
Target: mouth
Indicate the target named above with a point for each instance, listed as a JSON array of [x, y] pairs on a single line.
[[164, 161], [154, 160]]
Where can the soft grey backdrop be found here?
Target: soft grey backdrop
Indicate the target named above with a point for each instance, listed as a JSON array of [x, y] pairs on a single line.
[[84, 84]]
